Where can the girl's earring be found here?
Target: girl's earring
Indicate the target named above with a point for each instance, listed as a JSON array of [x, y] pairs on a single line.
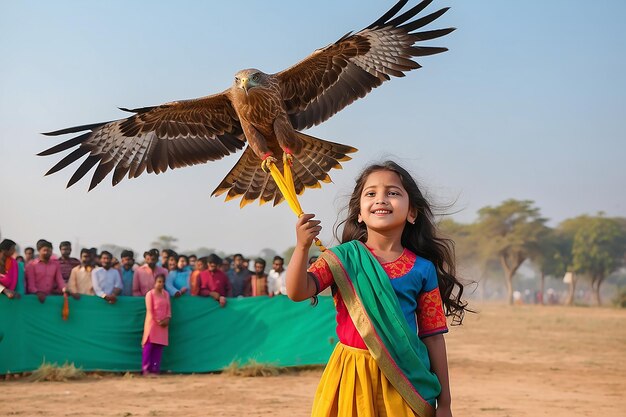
[[359, 219]]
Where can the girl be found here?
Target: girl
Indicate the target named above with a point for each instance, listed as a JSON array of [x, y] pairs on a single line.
[[155, 331], [387, 277]]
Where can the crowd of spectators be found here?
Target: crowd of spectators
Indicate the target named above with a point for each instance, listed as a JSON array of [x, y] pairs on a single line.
[[101, 274]]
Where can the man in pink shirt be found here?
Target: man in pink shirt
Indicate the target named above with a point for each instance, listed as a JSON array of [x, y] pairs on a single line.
[[43, 275], [143, 278]]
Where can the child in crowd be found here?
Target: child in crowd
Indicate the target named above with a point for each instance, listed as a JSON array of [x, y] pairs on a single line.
[[258, 280], [387, 278], [156, 327]]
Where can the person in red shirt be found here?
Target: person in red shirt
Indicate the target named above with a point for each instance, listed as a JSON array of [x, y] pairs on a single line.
[[212, 282], [43, 275]]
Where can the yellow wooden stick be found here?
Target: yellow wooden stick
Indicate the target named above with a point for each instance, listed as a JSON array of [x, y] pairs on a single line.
[[287, 188]]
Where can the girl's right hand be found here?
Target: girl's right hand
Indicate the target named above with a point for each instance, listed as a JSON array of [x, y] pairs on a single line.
[[307, 230]]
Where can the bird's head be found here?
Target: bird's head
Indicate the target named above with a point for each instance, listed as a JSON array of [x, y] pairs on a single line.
[[248, 79]]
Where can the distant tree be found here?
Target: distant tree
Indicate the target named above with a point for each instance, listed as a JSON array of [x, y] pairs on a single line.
[[165, 242], [287, 253], [547, 256], [114, 249], [472, 260], [598, 250], [566, 231], [511, 232], [268, 254]]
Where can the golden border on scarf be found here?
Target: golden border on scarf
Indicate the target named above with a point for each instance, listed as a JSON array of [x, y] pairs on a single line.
[[375, 346]]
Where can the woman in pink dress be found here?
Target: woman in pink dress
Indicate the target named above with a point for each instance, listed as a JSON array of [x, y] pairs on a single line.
[[156, 327], [8, 269]]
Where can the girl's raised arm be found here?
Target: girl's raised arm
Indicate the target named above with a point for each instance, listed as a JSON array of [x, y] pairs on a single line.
[[300, 286]]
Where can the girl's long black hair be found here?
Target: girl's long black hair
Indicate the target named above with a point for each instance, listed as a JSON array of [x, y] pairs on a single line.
[[421, 238]]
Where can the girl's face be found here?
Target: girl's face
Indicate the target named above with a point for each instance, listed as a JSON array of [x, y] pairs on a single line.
[[182, 263], [384, 202], [159, 283]]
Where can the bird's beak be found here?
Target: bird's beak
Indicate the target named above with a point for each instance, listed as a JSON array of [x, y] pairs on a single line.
[[244, 84]]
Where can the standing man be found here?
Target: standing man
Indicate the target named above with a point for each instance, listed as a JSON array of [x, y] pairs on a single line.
[[81, 281], [276, 277], [127, 271], [106, 281], [43, 275], [143, 279], [29, 255], [258, 280], [67, 263], [213, 282], [239, 276]]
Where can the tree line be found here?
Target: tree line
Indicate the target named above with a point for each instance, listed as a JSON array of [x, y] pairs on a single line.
[[505, 236]]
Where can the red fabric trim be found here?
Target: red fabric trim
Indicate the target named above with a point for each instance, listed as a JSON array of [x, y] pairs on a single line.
[[430, 316]]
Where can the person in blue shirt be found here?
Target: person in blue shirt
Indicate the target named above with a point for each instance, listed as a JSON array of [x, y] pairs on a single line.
[[177, 282], [127, 270]]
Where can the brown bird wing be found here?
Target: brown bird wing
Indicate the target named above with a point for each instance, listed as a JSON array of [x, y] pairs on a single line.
[[333, 77], [173, 135]]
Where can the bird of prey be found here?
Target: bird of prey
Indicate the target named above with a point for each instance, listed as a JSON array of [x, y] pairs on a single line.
[[268, 111]]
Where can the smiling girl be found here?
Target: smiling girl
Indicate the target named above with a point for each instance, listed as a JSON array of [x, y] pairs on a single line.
[[392, 277]]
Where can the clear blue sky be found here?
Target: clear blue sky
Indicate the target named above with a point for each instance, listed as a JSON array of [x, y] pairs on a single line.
[[529, 103]]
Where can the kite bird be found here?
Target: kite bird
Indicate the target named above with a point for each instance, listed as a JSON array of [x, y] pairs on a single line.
[[266, 110]]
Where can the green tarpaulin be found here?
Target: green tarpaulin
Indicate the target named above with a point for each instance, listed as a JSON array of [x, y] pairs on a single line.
[[203, 336]]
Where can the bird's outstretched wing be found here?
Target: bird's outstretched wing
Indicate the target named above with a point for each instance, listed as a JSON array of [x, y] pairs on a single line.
[[173, 135], [333, 77]]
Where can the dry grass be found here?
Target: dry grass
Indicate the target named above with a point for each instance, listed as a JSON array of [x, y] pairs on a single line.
[[55, 373], [253, 368]]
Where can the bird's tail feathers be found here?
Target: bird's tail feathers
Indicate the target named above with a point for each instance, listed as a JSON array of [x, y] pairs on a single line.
[[315, 158]]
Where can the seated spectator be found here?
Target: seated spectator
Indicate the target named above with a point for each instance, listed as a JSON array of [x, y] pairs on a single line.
[[8, 269], [177, 282], [213, 282], [81, 281], [143, 279], [43, 274], [29, 255], [276, 277], [258, 280], [106, 281], [127, 271], [66, 262], [239, 276]]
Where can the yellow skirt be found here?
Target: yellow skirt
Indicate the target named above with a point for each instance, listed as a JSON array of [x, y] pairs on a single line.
[[353, 386]]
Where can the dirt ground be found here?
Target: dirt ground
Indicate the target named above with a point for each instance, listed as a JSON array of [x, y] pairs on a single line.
[[520, 361]]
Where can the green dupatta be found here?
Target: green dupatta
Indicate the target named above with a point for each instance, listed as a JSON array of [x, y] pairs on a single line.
[[374, 308]]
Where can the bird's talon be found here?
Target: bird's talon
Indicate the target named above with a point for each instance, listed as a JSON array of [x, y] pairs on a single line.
[[288, 158], [267, 161]]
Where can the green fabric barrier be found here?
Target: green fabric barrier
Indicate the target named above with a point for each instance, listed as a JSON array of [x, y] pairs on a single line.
[[203, 337]]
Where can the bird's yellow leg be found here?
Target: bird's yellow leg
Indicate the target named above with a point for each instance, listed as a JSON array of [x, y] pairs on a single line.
[[287, 163], [285, 189], [286, 186]]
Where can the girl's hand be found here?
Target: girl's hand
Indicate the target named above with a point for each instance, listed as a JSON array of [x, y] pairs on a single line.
[[443, 411], [307, 230]]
